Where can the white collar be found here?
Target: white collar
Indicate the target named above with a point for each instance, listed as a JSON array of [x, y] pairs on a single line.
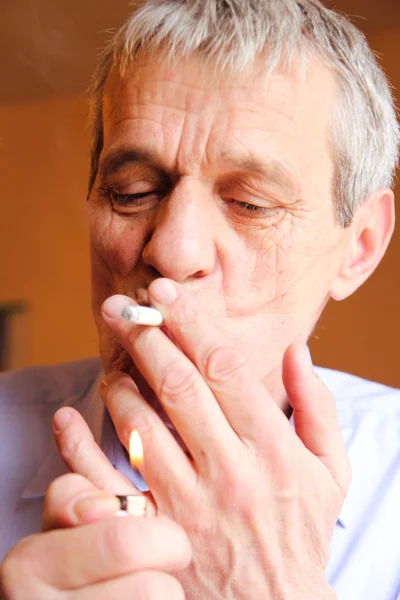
[[53, 466]]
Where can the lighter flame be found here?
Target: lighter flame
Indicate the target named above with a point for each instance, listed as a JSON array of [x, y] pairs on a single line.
[[135, 450]]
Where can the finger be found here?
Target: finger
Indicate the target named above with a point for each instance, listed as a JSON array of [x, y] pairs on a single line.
[[186, 398], [314, 413], [129, 411], [82, 455], [72, 558], [73, 500], [246, 404], [139, 586]]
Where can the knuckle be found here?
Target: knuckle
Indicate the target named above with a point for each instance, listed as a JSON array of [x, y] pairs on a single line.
[[17, 565], [283, 467], [142, 420], [223, 363], [72, 447], [179, 382], [237, 486], [188, 314], [283, 452], [133, 336], [116, 398]]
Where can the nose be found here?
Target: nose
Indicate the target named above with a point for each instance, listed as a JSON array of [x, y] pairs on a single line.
[[182, 242]]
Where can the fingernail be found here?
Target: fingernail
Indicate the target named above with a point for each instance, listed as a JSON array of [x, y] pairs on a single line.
[[61, 419], [163, 291], [113, 307], [93, 508]]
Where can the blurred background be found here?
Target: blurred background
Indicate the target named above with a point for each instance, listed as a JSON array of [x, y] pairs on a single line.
[[48, 50]]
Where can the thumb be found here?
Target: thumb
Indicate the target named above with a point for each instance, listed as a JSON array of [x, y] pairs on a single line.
[[73, 500], [314, 413]]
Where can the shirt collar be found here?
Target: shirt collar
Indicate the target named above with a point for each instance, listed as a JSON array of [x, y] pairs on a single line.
[[53, 466], [96, 416]]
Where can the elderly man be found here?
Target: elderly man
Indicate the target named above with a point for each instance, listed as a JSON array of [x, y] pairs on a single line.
[[242, 160]]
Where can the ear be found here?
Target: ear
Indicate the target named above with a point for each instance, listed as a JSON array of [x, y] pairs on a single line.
[[369, 236]]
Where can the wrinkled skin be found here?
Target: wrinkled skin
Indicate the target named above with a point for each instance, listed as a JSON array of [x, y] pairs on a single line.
[[227, 190], [221, 193], [106, 557], [263, 275]]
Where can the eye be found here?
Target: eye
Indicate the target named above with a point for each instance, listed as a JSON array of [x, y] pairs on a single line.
[[248, 206], [255, 209], [134, 203]]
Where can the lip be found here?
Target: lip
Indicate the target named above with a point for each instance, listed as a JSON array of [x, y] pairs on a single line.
[[169, 335], [142, 297]]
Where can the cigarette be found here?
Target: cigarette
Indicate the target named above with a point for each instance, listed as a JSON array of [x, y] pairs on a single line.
[[142, 315], [132, 505]]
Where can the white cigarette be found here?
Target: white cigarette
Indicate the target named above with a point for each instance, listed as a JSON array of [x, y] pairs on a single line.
[[142, 315]]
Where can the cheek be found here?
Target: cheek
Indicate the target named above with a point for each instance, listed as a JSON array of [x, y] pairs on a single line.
[[117, 243], [260, 271], [307, 261], [282, 268]]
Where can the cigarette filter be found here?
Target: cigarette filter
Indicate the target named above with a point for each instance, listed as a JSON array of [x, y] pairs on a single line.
[[142, 315]]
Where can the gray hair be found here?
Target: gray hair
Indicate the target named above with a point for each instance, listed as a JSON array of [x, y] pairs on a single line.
[[231, 34]]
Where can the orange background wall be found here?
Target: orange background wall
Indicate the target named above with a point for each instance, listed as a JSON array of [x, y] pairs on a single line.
[[43, 234], [43, 245]]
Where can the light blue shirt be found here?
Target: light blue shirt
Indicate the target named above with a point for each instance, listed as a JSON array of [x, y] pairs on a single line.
[[365, 549]]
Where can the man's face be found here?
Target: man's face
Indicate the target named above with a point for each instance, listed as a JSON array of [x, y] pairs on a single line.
[[226, 188]]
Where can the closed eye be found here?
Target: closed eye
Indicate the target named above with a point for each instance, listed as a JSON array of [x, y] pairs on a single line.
[[132, 203], [258, 211]]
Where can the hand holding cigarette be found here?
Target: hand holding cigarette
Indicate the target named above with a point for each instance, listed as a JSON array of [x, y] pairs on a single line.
[[85, 552], [251, 485]]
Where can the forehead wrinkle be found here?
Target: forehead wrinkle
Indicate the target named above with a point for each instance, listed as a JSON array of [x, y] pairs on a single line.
[[159, 93], [182, 103], [270, 168], [156, 92]]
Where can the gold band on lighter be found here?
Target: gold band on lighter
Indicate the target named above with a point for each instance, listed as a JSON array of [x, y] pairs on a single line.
[[132, 505]]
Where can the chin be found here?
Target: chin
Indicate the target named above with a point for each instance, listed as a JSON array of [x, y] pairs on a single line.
[[115, 358]]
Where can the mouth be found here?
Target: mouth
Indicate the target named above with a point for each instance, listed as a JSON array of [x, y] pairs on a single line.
[[167, 332], [142, 297]]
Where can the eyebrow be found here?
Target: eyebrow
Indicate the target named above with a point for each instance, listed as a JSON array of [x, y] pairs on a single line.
[[118, 158], [272, 169]]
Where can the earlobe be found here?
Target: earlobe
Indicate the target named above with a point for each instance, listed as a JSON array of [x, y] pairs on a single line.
[[371, 231]]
